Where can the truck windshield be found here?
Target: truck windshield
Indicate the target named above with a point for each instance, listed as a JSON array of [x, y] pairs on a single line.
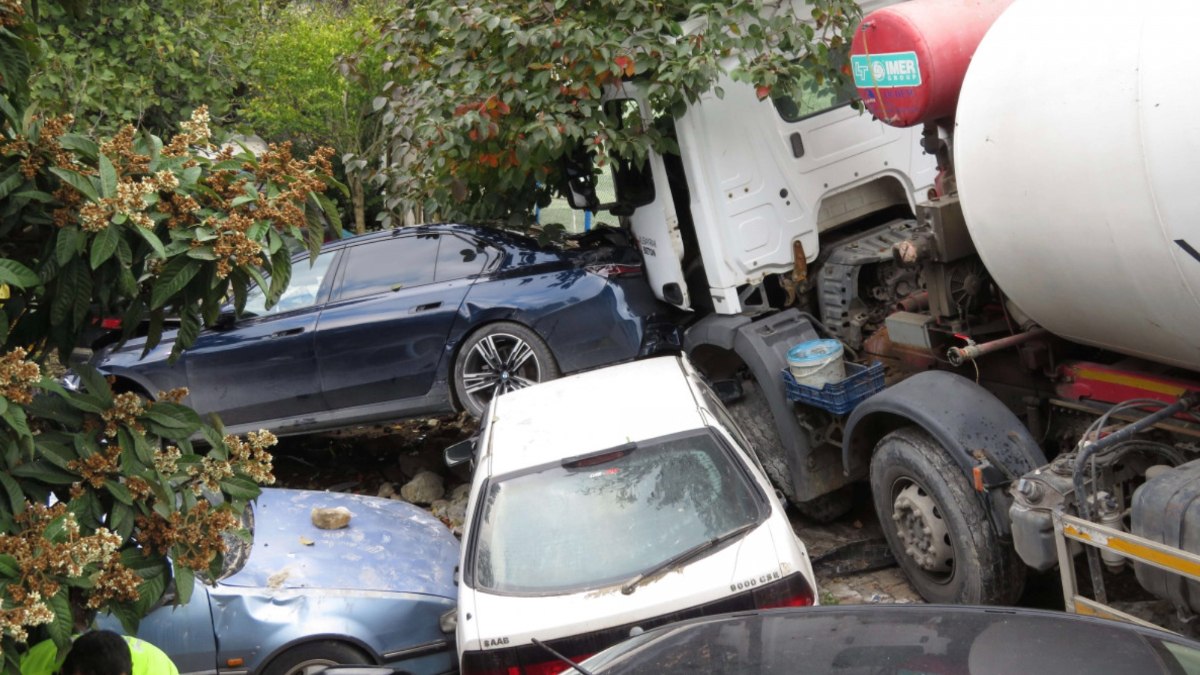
[[586, 525]]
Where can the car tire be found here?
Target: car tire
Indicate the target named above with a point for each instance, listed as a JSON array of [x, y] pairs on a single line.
[[756, 422], [499, 358], [936, 526], [312, 657]]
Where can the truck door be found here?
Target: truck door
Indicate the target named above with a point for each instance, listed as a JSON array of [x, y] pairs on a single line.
[[655, 224]]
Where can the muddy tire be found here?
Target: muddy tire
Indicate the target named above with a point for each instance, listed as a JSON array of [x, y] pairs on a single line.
[[936, 527], [313, 657], [497, 358], [828, 507], [753, 416]]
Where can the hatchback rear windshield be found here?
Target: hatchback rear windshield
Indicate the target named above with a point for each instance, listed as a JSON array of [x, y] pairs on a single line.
[[606, 519]]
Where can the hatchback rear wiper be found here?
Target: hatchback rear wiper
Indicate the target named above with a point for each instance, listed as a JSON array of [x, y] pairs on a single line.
[[679, 559]]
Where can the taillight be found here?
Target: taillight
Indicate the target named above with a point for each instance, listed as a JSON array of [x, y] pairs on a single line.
[[550, 667], [793, 591], [110, 323], [614, 270]]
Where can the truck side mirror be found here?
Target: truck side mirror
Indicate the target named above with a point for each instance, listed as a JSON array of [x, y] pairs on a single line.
[[460, 453], [580, 185]]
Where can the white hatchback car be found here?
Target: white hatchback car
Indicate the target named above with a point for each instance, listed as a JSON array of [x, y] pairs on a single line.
[[618, 498]]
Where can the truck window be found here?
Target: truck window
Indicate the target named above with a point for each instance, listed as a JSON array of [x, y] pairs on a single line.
[[808, 98]]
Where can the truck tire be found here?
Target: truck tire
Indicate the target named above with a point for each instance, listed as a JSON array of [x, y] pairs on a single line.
[[936, 526], [753, 416]]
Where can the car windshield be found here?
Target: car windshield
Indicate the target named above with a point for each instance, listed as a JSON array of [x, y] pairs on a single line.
[[609, 517]]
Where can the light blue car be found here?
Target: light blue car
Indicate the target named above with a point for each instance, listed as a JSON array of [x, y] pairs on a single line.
[[300, 598]]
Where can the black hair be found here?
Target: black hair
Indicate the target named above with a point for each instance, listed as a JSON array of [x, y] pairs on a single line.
[[99, 652]]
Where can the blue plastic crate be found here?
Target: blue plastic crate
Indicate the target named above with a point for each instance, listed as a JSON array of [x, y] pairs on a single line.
[[838, 398]]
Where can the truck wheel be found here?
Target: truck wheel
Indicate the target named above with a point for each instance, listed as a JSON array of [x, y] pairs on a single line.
[[936, 527], [754, 418]]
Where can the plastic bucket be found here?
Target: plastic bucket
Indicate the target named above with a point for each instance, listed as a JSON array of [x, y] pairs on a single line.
[[816, 363]]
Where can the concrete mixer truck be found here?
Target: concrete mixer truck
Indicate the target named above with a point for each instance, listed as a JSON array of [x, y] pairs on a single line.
[[1005, 249]]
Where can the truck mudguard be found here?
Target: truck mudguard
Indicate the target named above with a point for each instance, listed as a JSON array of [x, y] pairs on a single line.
[[762, 345], [971, 424]]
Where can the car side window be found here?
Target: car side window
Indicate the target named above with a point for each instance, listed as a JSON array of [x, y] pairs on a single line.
[[459, 258], [388, 265], [302, 290]]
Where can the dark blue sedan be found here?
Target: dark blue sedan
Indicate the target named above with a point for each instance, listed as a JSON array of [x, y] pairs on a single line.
[[408, 322]]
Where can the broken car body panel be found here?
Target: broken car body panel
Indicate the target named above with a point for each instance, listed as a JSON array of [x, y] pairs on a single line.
[[380, 584]]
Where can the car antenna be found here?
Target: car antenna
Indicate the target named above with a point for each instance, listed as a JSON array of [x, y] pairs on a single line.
[[560, 657]]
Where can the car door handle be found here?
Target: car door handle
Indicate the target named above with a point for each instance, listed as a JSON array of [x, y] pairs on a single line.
[[284, 333], [426, 307]]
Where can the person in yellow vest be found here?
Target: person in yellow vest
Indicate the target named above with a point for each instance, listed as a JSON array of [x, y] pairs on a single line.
[[99, 652]]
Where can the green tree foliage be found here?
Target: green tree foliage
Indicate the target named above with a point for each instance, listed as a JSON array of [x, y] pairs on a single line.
[[314, 86], [487, 97], [101, 491], [142, 62]]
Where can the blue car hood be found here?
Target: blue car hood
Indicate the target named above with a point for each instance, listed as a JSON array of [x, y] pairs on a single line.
[[388, 546]]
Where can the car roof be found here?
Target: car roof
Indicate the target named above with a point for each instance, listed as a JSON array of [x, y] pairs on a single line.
[[932, 638], [591, 411], [492, 235]]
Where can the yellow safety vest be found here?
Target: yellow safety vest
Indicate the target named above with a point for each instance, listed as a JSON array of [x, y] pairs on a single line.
[[42, 659]]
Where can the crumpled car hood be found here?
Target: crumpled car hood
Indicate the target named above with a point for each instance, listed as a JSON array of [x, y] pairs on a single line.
[[388, 546]]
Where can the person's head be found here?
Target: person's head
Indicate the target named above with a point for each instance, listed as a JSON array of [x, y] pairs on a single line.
[[99, 652]]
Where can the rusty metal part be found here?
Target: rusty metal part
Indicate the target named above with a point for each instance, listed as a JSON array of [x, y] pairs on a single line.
[[914, 302], [960, 355], [799, 263], [906, 253]]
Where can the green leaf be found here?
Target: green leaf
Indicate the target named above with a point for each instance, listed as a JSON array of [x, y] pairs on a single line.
[[177, 274], [104, 245], [78, 181], [41, 470], [16, 496], [118, 491], [67, 244], [16, 274], [83, 145], [240, 488], [95, 383], [62, 626], [15, 416], [123, 517], [10, 180], [174, 416], [56, 530], [108, 177], [185, 582], [152, 239], [189, 330], [8, 566]]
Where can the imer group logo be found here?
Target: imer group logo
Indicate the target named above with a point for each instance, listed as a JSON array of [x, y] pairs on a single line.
[[899, 69]]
